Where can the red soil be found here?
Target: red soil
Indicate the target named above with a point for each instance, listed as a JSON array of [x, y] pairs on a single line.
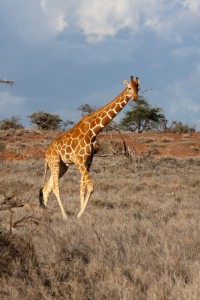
[[27, 144]]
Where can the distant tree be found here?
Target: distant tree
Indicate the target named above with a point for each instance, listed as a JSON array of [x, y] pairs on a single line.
[[46, 121], [142, 117], [65, 124], [11, 123], [179, 127], [86, 109]]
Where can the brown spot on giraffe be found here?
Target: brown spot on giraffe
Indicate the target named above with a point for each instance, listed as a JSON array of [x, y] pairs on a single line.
[[78, 146]]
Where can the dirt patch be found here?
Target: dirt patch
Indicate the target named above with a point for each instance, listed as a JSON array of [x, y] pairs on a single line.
[[25, 144]]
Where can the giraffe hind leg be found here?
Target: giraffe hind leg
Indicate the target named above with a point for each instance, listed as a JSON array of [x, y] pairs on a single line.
[[46, 190]]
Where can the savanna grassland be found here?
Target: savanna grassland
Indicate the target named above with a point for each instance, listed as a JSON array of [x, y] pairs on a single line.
[[139, 237]]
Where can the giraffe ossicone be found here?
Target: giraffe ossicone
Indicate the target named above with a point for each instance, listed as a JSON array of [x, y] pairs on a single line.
[[79, 145]]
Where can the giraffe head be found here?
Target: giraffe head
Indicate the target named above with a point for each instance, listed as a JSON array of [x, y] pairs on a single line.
[[132, 88]]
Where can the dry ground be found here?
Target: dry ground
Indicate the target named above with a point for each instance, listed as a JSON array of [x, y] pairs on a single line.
[[139, 237], [28, 143]]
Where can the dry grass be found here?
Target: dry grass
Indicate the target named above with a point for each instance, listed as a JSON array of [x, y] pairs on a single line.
[[139, 237]]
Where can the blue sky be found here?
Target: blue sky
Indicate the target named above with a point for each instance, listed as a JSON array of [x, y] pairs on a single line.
[[65, 53]]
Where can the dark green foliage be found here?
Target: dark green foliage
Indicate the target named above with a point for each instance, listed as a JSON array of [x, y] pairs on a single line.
[[142, 117]]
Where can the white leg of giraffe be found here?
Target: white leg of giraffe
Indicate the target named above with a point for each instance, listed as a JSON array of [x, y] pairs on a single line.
[[85, 193], [57, 171], [47, 190], [82, 192], [86, 186], [57, 194]]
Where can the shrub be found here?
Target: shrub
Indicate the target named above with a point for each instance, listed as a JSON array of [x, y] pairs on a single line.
[[46, 121], [179, 127], [11, 123]]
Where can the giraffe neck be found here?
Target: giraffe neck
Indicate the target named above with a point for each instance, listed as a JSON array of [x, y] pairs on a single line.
[[104, 115]]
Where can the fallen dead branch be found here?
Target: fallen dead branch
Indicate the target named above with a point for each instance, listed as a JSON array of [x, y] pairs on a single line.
[[12, 224], [22, 221], [9, 207]]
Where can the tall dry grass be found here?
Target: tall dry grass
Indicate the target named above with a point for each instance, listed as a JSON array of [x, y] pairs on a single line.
[[139, 237]]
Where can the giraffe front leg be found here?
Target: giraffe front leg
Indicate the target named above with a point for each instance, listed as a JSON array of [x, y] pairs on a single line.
[[85, 195], [57, 173], [86, 186], [82, 192], [57, 194]]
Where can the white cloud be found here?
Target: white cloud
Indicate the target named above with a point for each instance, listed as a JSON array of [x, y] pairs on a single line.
[[55, 14], [100, 19], [97, 20], [181, 98], [43, 5], [193, 5], [44, 50], [10, 104], [59, 23], [165, 18], [175, 20]]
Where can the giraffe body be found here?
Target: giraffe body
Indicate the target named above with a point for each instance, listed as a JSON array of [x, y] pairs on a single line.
[[79, 145]]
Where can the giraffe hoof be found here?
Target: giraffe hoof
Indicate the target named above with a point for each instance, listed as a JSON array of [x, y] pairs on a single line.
[[79, 214], [64, 218]]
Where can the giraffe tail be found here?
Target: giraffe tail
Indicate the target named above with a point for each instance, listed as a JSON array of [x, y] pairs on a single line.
[[45, 171], [41, 196]]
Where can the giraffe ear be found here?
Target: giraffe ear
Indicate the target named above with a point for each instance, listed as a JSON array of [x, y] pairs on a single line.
[[125, 82]]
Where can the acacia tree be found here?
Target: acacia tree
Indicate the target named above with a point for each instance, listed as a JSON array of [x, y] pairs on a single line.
[[142, 117]]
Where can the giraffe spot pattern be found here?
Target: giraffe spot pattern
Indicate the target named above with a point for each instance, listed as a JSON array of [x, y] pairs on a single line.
[[79, 145]]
